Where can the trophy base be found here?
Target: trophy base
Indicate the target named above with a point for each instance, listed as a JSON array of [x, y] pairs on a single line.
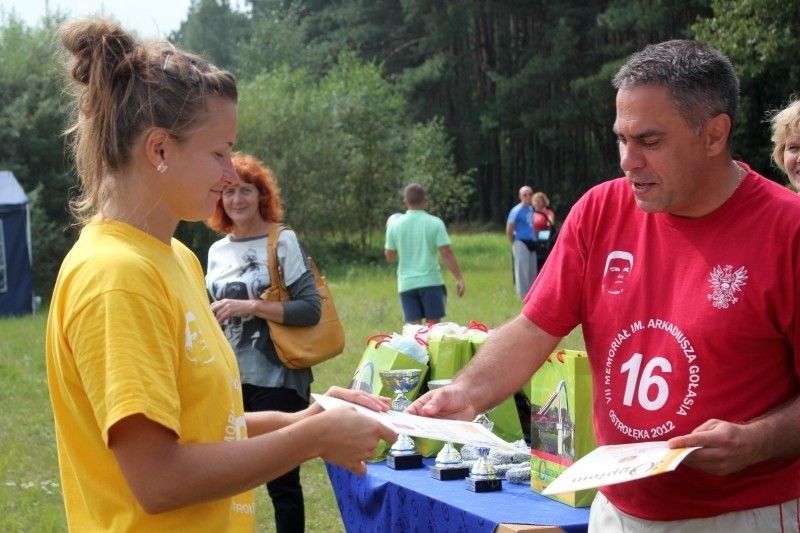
[[403, 461], [484, 485], [448, 473]]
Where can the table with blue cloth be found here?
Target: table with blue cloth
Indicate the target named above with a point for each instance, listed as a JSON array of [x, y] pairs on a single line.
[[398, 501]]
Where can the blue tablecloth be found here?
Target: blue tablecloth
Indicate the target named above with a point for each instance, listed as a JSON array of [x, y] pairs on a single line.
[[401, 501]]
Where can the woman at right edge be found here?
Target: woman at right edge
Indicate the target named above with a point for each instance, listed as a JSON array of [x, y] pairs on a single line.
[[149, 423], [786, 141]]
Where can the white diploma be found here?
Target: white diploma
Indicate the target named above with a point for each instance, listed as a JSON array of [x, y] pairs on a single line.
[[431, 428], [608, 465]]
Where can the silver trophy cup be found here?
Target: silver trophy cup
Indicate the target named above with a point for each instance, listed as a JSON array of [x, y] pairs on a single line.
[[448, 455], [402, 455], [482, 476], [448, 465]]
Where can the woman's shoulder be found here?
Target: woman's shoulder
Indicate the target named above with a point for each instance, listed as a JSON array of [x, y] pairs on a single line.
[[221, 243], [289, 236], [291, 252]]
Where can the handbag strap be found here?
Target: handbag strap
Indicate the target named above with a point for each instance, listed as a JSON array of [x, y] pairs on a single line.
[[550, 221], [275, 269], [311, 263]]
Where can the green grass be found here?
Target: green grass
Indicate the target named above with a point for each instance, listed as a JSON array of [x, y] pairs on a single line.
[[366, 298], [29, 484]]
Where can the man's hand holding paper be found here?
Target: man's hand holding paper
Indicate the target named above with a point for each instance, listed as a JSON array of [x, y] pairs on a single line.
[[609, 465], [448, 402], [726, 447], [457, 431]]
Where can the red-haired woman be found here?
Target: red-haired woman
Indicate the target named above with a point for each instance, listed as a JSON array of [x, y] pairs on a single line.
[[238, 272]]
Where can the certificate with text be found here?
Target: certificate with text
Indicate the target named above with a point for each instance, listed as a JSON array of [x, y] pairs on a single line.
[[608, 465], [456, 431]]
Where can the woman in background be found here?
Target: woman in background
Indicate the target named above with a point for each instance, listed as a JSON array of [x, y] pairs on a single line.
[[786, 142], [146, 395], [238, 273], [543, 217]]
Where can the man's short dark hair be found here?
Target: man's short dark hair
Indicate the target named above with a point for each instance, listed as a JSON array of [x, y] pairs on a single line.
[[414, 194], [701, 80]]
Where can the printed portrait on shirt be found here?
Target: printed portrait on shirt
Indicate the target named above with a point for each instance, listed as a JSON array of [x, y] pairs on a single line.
[[244, 282], [618, 266]]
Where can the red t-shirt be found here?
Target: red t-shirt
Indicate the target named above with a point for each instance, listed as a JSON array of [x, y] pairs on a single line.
[[684, 320], [543, 220]]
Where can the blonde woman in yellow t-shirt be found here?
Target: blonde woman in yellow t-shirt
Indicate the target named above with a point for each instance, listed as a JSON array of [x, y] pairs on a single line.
[[146, 393]]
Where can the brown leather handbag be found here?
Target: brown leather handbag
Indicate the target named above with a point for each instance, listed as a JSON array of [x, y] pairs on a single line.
[[302, 346]]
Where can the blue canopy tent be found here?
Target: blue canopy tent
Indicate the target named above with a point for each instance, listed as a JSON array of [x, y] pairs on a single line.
[[16, 263]]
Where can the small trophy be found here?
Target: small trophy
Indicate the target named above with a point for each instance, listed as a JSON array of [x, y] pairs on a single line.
[[402, 455], [448, 465], [481, 476]]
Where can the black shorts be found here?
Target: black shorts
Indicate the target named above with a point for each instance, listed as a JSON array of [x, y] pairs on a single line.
[[425, 302]]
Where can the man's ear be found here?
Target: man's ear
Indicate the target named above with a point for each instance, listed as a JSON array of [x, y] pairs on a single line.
[[155, 146], [717, 132]]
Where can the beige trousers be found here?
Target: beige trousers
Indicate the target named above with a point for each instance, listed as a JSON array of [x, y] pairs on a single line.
[[783, 518]]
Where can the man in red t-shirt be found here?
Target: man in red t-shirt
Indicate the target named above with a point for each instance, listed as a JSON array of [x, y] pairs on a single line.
[[689, 317]]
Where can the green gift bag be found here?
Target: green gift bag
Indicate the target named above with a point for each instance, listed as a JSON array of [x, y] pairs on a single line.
[[477, 334], [448, 353], [377, 357], [505, 416], [506, 420], [561, 421], [427, 447]]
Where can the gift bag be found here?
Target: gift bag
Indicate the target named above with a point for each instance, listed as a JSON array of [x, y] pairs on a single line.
[[477, 334], [561, 421], [378, 356], [448, 354], [505, 416]]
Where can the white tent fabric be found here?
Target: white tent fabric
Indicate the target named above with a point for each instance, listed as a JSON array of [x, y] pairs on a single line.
[[10, 190]]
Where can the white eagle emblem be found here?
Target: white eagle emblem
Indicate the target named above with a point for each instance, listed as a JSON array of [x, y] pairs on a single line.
[[725, 283]]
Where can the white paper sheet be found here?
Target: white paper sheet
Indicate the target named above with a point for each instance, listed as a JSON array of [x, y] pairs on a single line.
[[432, 428], [608, 465]]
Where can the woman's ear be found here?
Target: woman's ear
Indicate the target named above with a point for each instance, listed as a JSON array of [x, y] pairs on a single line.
[[155, 149]]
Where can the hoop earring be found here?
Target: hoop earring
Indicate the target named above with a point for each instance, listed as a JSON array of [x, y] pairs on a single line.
[[162, 167]]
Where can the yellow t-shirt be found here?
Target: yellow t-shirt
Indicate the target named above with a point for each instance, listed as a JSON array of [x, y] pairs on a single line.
[[130, 332]]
